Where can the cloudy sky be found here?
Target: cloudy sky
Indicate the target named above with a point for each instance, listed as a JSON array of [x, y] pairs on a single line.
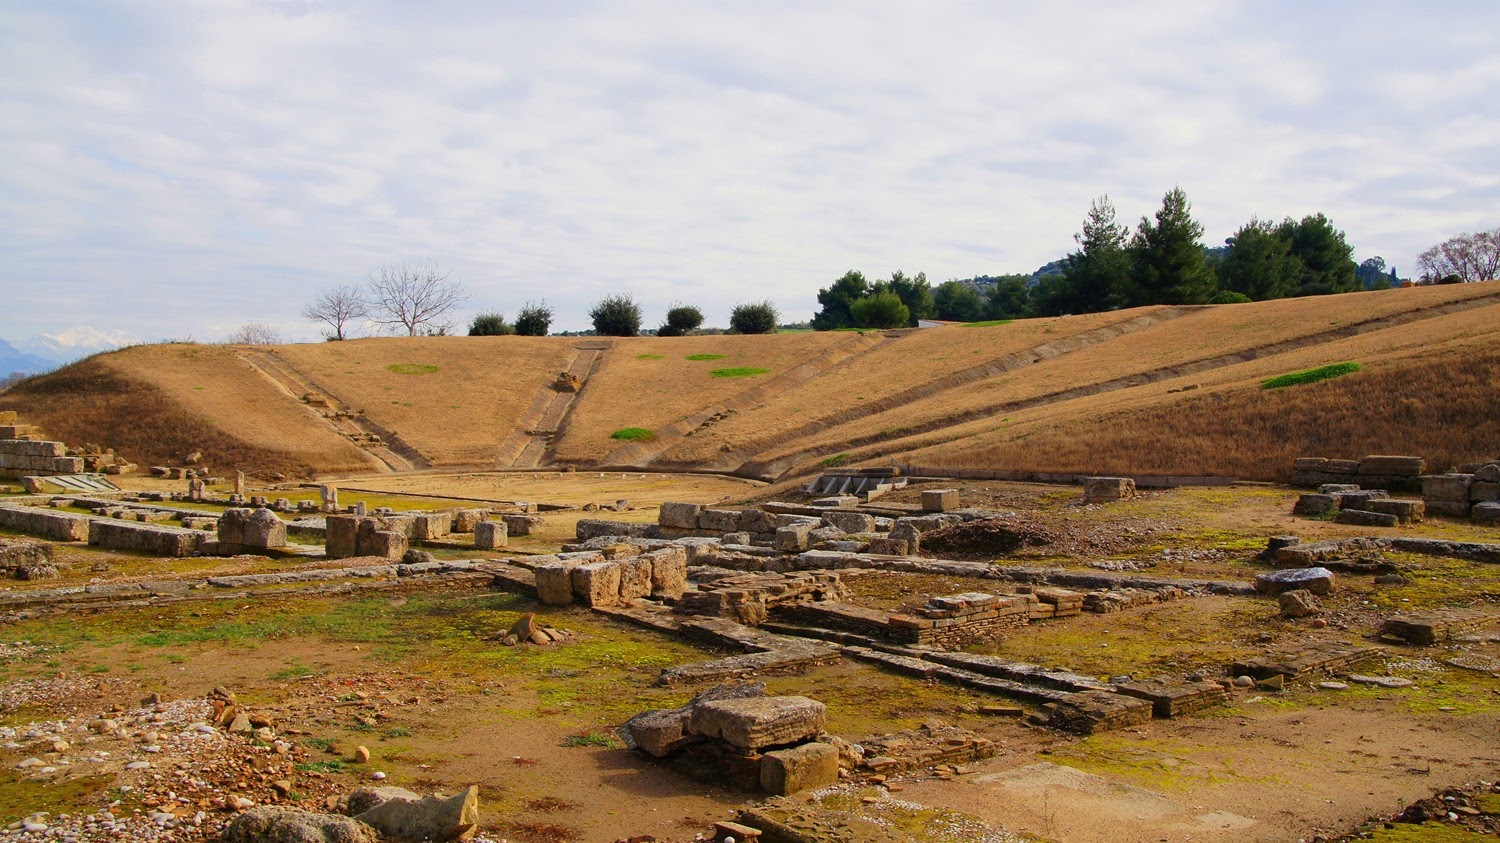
[[175, 169]]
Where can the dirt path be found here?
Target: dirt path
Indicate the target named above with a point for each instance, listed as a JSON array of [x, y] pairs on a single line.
[[530, 445]]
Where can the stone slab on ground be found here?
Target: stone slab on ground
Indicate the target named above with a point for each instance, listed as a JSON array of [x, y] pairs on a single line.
[[806, 767], [760, 722], [1317, 580]]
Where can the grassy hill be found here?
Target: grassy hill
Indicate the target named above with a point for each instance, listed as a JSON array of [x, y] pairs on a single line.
[[1150, 390]]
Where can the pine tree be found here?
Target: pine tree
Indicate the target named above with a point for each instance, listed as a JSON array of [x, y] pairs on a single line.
[[1167, 261]]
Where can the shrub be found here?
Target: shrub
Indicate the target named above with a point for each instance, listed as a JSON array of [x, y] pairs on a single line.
[[534, 319], [738, 372], [633, 434], [1229, 297], [681, 321], [880, 310], [616, 316], [490, 325], [1322, 373], [835, 460], [754, 318]]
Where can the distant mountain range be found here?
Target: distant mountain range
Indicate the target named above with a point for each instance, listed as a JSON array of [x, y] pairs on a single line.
[[45, 352]]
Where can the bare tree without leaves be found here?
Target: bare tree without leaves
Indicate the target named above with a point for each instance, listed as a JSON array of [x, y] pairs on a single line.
[[418, 298], [336, 308], [1470, 257], [254, 333]]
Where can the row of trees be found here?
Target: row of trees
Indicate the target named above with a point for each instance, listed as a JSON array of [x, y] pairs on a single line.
[[854, 302], [1462, 259], [415, 298], [620, 316]]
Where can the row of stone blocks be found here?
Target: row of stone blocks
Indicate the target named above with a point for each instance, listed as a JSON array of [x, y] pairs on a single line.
[[1473, 495], [45, 524], [1401, 473], [391, 536], [154, 539], [592, 580], [1440, 625]]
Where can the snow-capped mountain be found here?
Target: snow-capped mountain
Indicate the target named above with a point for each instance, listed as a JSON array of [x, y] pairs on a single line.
[[69, 345], [13, 359]]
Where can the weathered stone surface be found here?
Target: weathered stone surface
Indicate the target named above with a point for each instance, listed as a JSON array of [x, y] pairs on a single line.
[[683, 516], [1487, 513], [1316, 506], [341, 536], [593, 528], [554, 583], [431, 525], [1104, 489], [597, 583], [1316, 580], [757, 521], [384, 543], [45, 524], [1407, 512], [522, 525], [1392, 465], [1341, 467], [145, 538], [806, 767], [719, 520], [761, 722], [1088, 712], [1481, 492], [231, 529], [794, 539], [264, 530], [635, 577], [1488, 473], [434, 818], [1298, 603], [1309, 463], [850, 522], [1363, 518], [658, 732], [887, 546], [906, 531], [668, 571], [465, 519], [274, 824], [491, 535], [1447, 509], [938, 500], [1446, 487], [1358, 498], [836, 502]]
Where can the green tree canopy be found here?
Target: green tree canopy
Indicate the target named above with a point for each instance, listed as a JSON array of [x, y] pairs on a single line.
[[955, 301], [490, 325], [754, 318], [1259, 264], [1012, 297], [880, 310], [1327, 258], [836, 300], [534, 319], [682, 320], [1095, 277], [1167, 261], [915, 293], [616, 316]]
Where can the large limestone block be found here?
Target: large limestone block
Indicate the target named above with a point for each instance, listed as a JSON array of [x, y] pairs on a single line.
[[759, 722], [1316, 505], [431, 525], [794, 539], [758, 521], [1317, 580], [375, 541], [938, 500], [58, 526], [719, 520], [1487, 513], [668, 571], [263, 530], [850, 522], [491, 535], [1488, 473], [465, 519], [232, 526], [635, 577], [554, 583], [658, 732], [1104, 489], [597, 583], [1392, 466], [806, 767], [683, 516], [1447, 487], [434, 818], [341, 536], [1481, 492], [1365, 518], [1409, 512], [523, 525], [274, 824]]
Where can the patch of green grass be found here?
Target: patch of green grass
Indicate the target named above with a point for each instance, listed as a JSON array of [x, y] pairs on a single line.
[[1321, 373], [835, 460], [1428, 832], [413, 368], [318, 743], [988, 323], [705, 357], [21, 796], [398, 732], [633, 434], [602, 739], [292, 672], [333, 765], [650, 357], [738, 372]]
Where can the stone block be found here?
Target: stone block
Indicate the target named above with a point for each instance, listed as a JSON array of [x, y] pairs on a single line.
[[1487, 513], [904, 530], [819, 535], [887, 546], [758, 521], [658, 732], [1447, 487], [668, 571], [1317, 580], [384, 543], [465, 519], [1447, 509], [1350, 467], [1298, 603], [1309, 463], [145, 538], [597, 583], [1392, 466], [719, 520], [806, 767], [759, 722], [1105, 489], [554, 583], [522, 525], [1487, 473], [491, 535], [1364, 518], [593, 528], [683, 516], [341, 536], [1480, 492], [1407, 512], [635, 577], [850, 523], [1358, 498], [794, 539], [836, 502], [937, 500], [431, 525], [1316, 506], [264, 530], [231, 530]]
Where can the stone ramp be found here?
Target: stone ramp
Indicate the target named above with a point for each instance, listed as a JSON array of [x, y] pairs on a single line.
[[530, 444], [384, 447]]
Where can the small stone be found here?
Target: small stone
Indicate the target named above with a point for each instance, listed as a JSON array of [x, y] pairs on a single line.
[[1333, 686], [361, 755], [377, 776], [138, 765], [1244, 682]]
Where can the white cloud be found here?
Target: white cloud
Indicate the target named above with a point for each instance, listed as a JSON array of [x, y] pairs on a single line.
[[183, 169]]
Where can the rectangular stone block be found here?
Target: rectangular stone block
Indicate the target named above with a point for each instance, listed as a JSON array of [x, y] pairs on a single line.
[[597, 583], [431, 525], [593, 528], [683, 516], [836, 502], [264, 530], [668, 571], [1315, 506], [554, 583], [341, 536], [1365, 518], [1407, 512], [1309, 463], [1448, 509], [1487, 513], [45, 524], [759, 722], [1105, 489], [719, 520], [794, 539], [1392, 465], [465, 519], [851, 522], [145, 538], [886, 546], [491, 535], [1447, 487], [938, 500], [522, 525], [1350, 467], [388, 544], [806, 767], [635, 577], [1481, 492]]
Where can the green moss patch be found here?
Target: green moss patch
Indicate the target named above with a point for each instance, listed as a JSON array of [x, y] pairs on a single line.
[[988, 323], [738, 372], [836, 459], [648, 357], [413, 368], [633, 434], [705, 357], [1321, 373]]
